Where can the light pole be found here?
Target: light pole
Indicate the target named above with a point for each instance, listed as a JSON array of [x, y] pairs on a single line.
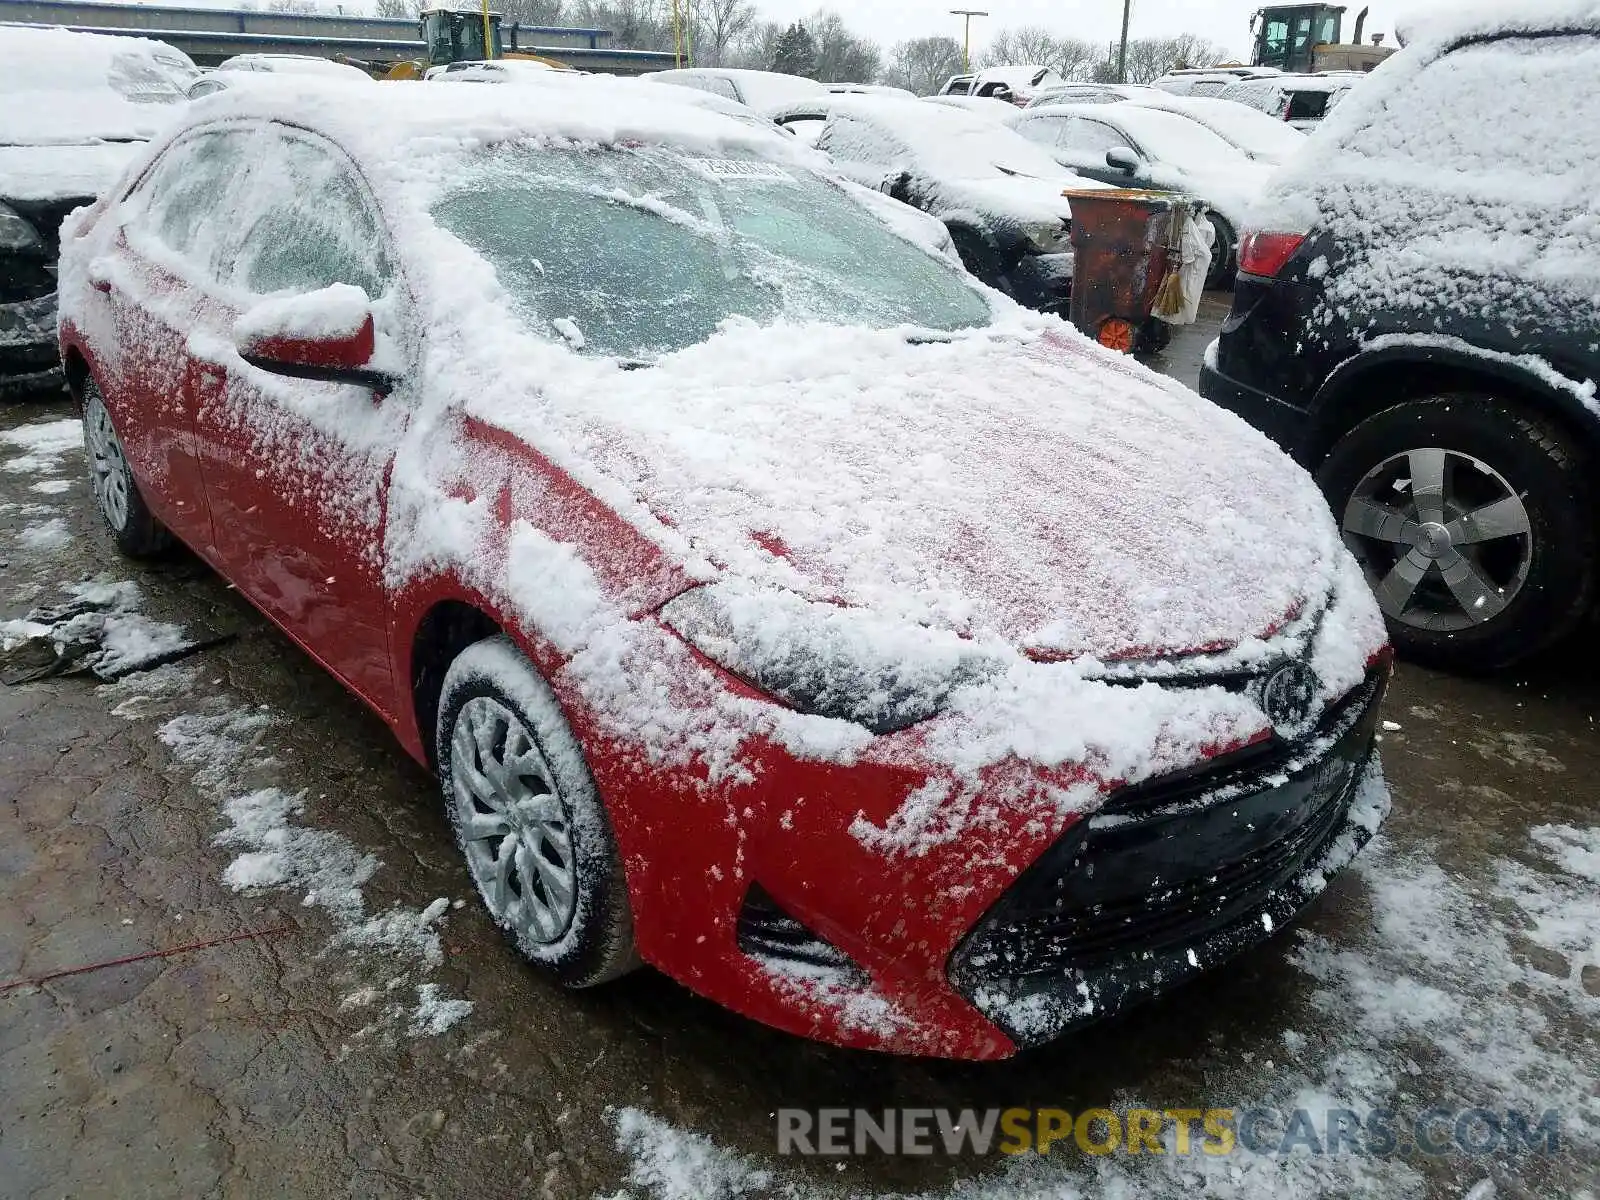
[[1122, 50], [966, 15]]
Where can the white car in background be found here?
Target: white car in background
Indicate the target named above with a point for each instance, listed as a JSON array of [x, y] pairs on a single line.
[[252, 68], [1016, 85], [760, 90], [1131, 145], [1209, 81], [1300, 101], [1247, 129], [499, 70], [999, 196], [75, 109], [988, 107]]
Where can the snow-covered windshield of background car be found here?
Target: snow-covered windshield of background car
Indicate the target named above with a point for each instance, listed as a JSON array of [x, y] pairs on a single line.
[[635, 252], [1168, 137], [131, 76]]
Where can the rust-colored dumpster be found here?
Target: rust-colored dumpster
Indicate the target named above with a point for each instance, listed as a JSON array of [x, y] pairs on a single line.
[[1120, 238]]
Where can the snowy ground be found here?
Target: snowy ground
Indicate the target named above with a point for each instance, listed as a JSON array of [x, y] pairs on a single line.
[[362, 1033]]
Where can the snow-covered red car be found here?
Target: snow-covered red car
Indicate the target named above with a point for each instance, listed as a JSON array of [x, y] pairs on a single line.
[[777, 606]]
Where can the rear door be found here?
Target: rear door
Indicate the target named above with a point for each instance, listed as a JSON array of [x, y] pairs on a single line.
[[297, 471], [168, 250]]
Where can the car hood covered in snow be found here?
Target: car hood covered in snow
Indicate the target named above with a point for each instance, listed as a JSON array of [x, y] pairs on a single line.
[[1020, 485], [62, 172]]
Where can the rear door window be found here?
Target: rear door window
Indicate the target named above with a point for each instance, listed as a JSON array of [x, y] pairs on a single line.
[[1307, 106]]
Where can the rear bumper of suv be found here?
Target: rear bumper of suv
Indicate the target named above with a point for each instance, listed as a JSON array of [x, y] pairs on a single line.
[[1177, 875], [1283, 422]]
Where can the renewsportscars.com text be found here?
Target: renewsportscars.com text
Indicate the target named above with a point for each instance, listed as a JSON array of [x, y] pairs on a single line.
[[1376, 1133]]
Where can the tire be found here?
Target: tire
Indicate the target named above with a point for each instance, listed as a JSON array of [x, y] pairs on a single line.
[[1530, 564], [1155, 335], [117, 497], [562, 896], [979, 256], [1224, 254]]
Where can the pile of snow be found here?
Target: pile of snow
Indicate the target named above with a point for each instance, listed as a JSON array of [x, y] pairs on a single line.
[[275, 850], [44, 446]]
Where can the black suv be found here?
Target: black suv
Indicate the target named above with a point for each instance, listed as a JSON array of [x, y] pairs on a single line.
[[1417, 319]]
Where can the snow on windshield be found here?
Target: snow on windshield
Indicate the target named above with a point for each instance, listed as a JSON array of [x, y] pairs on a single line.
[[1247, 128], [935, 139], [1169, 137], [60, 87], [636, 253], [1437, 195]]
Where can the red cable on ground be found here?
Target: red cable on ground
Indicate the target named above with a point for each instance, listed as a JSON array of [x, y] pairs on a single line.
[[148, 954]]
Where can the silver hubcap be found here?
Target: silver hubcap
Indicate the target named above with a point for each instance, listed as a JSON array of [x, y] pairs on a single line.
[[108, 469], [514, 827], [1444, 539]]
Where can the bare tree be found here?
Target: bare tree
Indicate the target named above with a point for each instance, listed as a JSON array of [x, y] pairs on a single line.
[[923, 64], [1034, 44], [1151, 58], [719, 25], [756, 47], [397, 8], [842, 57]]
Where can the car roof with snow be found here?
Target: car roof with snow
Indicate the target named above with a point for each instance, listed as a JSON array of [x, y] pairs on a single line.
[[382, 135]]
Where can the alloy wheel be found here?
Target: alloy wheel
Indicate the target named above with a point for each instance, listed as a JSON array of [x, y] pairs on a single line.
[[108, 466], [514, 827], [1445, 540]]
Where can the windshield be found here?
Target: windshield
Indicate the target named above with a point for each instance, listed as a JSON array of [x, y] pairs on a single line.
[[1177, 140], [1250, 129], [127, 75], [639, 252]]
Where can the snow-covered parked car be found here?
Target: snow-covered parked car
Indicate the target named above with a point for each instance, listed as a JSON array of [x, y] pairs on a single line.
[[760, 90], [244, 70], [998, 194], [73, 108], [1301, 101], [776, 605], [1246, 129], [1416, 318], [1013, 84], [1133, 145]]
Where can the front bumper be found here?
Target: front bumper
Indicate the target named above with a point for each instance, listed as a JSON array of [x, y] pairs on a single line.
[[1176, 875], [28, 351]]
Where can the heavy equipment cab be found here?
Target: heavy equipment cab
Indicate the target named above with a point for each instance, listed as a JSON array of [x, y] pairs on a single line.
[[456, 35], [1287, 35]]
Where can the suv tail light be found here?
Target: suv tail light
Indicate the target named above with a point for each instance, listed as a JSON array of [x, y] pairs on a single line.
[[1265, 253]]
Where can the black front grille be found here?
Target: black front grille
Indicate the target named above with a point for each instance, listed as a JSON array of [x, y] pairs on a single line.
[[766, 931], [1179, 860]]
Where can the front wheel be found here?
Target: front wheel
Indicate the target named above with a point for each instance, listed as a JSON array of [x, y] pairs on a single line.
[[117, 497], [1475, 524], [528, 818]]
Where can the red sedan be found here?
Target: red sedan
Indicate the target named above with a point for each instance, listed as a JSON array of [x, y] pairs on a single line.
[[777, 606]]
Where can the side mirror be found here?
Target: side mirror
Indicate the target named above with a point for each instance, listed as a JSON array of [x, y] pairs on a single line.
[[1121, 158], [327, 335]]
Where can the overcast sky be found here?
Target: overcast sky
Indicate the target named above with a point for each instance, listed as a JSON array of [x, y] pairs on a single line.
[[1226, 22]]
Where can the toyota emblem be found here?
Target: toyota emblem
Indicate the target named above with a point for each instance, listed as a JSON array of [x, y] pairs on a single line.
[[1287, 694]]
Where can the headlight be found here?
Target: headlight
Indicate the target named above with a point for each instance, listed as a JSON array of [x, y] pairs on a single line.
[[1049, 237], [15, 232], [825, 659]]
